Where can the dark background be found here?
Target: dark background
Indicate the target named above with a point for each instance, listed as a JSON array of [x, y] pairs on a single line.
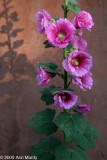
[[21, 48]]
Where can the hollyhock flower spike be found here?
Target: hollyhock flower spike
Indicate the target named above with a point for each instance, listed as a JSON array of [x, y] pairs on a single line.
[[79, 43], [43, 77], [43, 19], [65, 99], [83, 20], [84, 82], [83, 109], [78, 63], [59, 33]]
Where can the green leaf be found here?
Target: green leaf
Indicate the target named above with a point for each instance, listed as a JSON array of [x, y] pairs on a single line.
[[63, 152], [90, 131], [43, 150], [80, 153], [56, 18], [43, 122], [56, 90], [71, 126], [84, 141], [49, 66], [74, 9], [47, 96], [77, 130], [72, 2], [47, 44]]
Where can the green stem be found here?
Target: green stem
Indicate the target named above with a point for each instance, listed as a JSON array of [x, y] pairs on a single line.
[[69, 110], [65, 73], [60, 75], [65, 56], [65, 50], [69, 83], [65, 11], [66, 2]]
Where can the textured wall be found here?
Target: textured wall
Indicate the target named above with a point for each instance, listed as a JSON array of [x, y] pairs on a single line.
[[21, 48]]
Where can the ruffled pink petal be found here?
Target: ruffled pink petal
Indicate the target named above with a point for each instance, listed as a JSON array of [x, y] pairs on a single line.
[[80, 32], [43, 19], [84, 82], [65, 65], [43, 77], [67, 103], [62, 26], [85, 63], [83, 109], [79, 43], [83, 20]]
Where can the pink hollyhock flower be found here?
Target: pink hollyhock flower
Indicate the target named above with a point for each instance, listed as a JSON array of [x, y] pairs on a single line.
[[79, 43], [43, 76], [83, 109], [43, 19], [84, 82], [65, 99], [78, 63], [83, 20], [59, 33]]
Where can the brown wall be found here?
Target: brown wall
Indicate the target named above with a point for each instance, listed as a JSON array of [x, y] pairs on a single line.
[[21, 49]]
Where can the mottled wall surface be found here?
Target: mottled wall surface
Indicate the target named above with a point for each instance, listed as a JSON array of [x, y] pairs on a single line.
[[21, 48]]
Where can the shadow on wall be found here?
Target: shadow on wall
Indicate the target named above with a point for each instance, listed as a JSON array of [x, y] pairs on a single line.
[[15, 74]]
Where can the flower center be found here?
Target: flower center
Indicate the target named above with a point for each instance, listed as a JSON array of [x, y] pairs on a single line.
[[65, 96], [75, 62], [61, 36]]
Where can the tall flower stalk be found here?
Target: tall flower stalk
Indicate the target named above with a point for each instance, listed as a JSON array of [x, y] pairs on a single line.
[[65, 49], [64, 57], [77, 63]]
